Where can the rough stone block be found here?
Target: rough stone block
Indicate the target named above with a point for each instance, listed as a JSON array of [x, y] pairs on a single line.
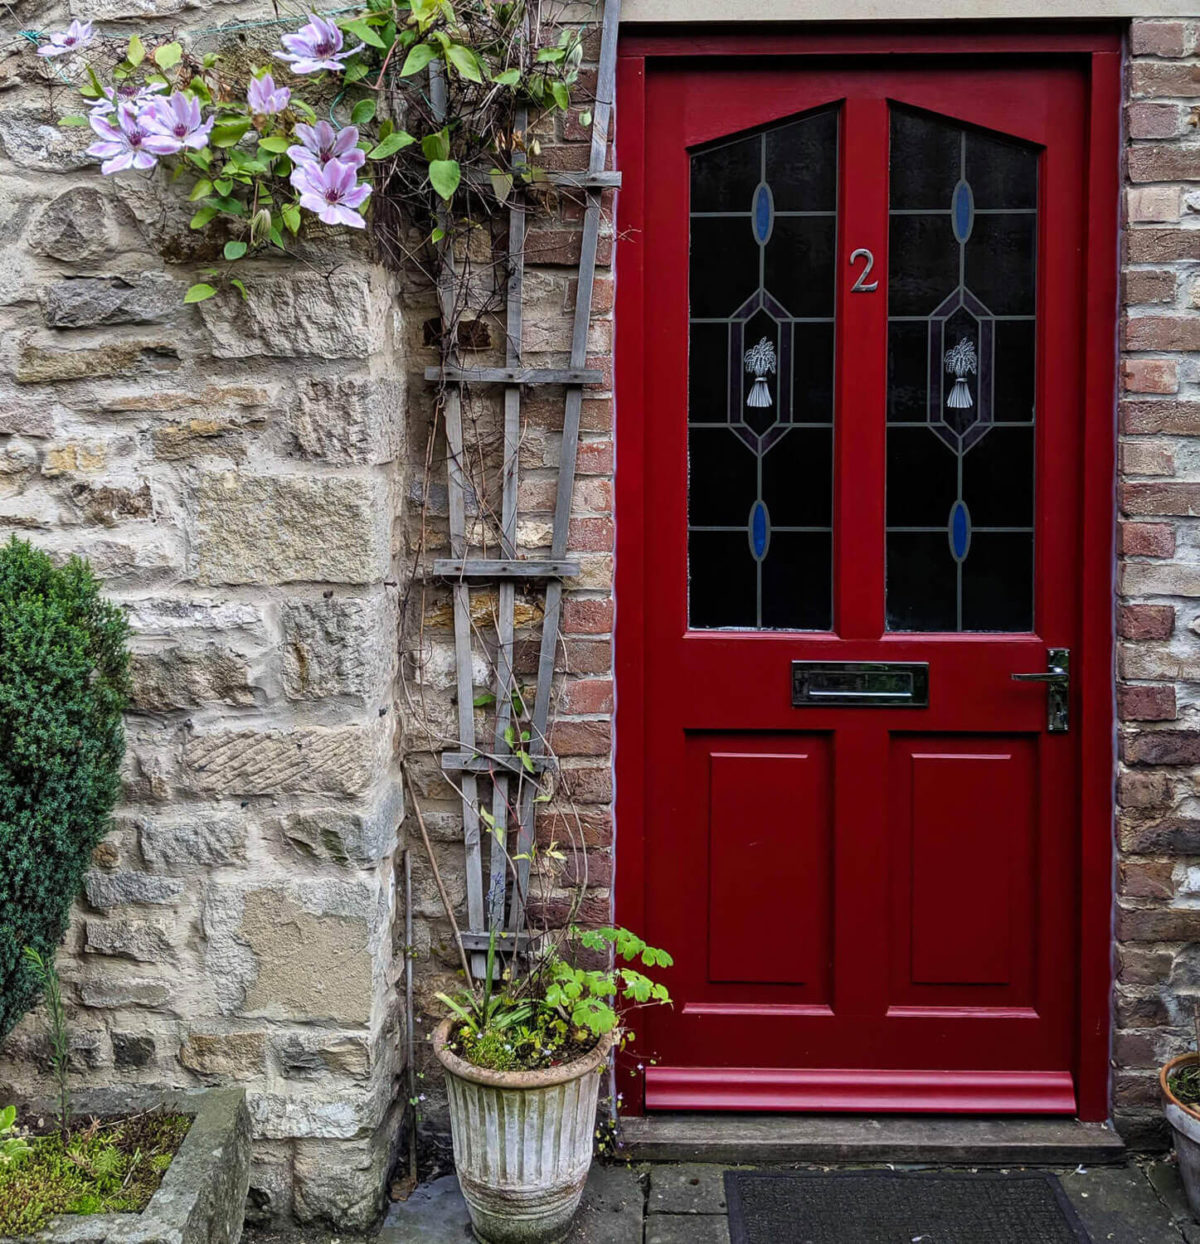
[[144, 941], [169, 617], [224, 1055], [106, 890], [106, 994], [31, 137], [300, 951], [343, 760], [343, 1183], [85, 302], [76, 226], [307, 1055], [37, 364], [131, 1050], [338, 646], [345, 835], [355, 420], [199, 839], [296, 528], [180, 677], [344, 315]]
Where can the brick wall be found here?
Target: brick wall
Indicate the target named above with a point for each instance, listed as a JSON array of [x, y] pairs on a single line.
[[1158, 823]]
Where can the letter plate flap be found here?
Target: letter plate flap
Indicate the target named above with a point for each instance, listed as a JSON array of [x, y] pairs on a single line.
[[860, 684]]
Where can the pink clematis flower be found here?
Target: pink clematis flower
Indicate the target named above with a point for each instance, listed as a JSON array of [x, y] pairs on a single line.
[[332, 191], [124, 145], [315, 46], [112, 97], [174, 123], [321, 143], [76, 36], [265, 98]]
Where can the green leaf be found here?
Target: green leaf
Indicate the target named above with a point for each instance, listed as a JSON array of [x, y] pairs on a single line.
[[291, 218], [199, 293], [230, 132], [235, 250], [240, 287], [363, 112], [585, 119], [527, 761], [562, 97], [550, 56], [69, 121], [355, 70], [275, 143], [136, 53], [417, 59], [437, 235], [201, 190], [360, 30], [465, 61], [510, 77], [231, 207], [202, 217], [223, 186], [390, 145], [484, 700], [502, 184], [168, 55], [436, 146]]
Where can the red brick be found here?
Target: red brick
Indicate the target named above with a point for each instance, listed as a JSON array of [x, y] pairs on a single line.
[[581, 738], [574, 207], [1153, 120], [1162, 245], [592, 785], [595, 458], [1170, 836], [1143, 965], [587, 909], [1145, 879], [1136, 1049], [1145, 418], [1158, 924], [1162, 162], [591, 535], [588, 828], [587, 695], [561, 247], [1146, 621], [1140, 457], [1143, 790], [545, 411], [576, 656], [1150, 375], [1150, 285], [1144, 1011], [1141, 703], [587, 617], [1132, 1088], [1158, 39], [591, 868], [1162, 332], [1147, 539], [603, 291], [1161, 498], [1163, 747], [1151, 79]]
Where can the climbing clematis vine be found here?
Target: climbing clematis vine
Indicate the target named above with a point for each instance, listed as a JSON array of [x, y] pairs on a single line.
[[175, 123], [265, 98], [332, 191], [321, 143], [76, 36], [124, 145], [315, 46]]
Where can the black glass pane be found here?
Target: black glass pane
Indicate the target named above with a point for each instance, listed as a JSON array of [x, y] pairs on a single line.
[[962, 302], [922, 582], [799, 264], [796, 582], [722, 580], [998, 583], [803, 177], [761, 376]]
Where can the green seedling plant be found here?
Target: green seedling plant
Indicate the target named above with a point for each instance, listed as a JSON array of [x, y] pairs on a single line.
[[14, 1147], [60, 1036]]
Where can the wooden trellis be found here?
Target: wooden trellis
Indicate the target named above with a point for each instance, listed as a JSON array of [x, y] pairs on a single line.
[[500, 907]]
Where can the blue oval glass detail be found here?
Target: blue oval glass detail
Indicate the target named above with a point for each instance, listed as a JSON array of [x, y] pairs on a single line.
[[759, 530], [959, 531], [763, 213], [962, 210]]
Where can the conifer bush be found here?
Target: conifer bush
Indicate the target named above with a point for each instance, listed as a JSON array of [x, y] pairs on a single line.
[[64, 685]]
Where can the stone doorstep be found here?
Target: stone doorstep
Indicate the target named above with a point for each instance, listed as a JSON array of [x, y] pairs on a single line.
[[731, 1138]]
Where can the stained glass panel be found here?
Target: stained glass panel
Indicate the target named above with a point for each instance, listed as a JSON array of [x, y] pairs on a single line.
[[760, 378], [961, 378]]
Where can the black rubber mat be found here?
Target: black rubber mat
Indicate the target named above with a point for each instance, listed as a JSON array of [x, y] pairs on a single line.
[[899, 1207]]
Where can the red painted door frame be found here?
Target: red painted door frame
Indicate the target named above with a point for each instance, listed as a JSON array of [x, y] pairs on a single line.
[[1099, 50]]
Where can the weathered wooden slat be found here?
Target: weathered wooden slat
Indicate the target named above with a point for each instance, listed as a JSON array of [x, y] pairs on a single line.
[[477, 762], [571, 180], [506, 942], [605, 92], [487, 568], [516, 375]]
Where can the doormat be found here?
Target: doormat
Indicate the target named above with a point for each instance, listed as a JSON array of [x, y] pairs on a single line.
[[899, 1207]]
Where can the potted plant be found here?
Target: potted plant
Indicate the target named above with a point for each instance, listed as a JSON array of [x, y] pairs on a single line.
[[1179, 1083], [523, 1056]]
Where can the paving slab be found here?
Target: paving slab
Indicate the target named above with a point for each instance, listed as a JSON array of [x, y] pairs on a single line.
[[1119, 1204], [686, 1229], [689, 1189], [435, 1214]]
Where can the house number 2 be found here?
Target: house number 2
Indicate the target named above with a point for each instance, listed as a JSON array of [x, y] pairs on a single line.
[[861, 285]]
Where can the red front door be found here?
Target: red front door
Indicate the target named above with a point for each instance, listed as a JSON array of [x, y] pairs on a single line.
[[861, 419]]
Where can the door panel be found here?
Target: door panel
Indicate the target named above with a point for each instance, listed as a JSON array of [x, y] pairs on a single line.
[[862, 430]]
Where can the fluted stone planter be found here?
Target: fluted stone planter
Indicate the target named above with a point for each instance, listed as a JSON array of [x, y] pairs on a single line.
[[1185, 1128], [522, 1142]]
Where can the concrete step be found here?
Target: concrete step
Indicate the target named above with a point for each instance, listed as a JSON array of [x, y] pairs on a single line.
[[917, 1139]]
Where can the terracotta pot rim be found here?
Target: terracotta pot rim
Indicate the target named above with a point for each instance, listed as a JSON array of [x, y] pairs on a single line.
[[518, 1079], [1165, 1088]]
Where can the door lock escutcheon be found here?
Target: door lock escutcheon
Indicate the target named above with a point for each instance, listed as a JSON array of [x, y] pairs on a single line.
[[1058, 689]]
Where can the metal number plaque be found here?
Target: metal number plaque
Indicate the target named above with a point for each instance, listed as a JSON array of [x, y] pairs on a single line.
[[860, 684]]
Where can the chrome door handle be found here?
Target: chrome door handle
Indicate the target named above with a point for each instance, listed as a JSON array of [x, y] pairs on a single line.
[[1058, 689]]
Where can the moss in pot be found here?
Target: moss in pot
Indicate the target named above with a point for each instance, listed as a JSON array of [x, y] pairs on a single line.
[[523, 1057]]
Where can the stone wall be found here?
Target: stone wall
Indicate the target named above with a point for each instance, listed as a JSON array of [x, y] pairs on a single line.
[[1158, 823], [234, 473]]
